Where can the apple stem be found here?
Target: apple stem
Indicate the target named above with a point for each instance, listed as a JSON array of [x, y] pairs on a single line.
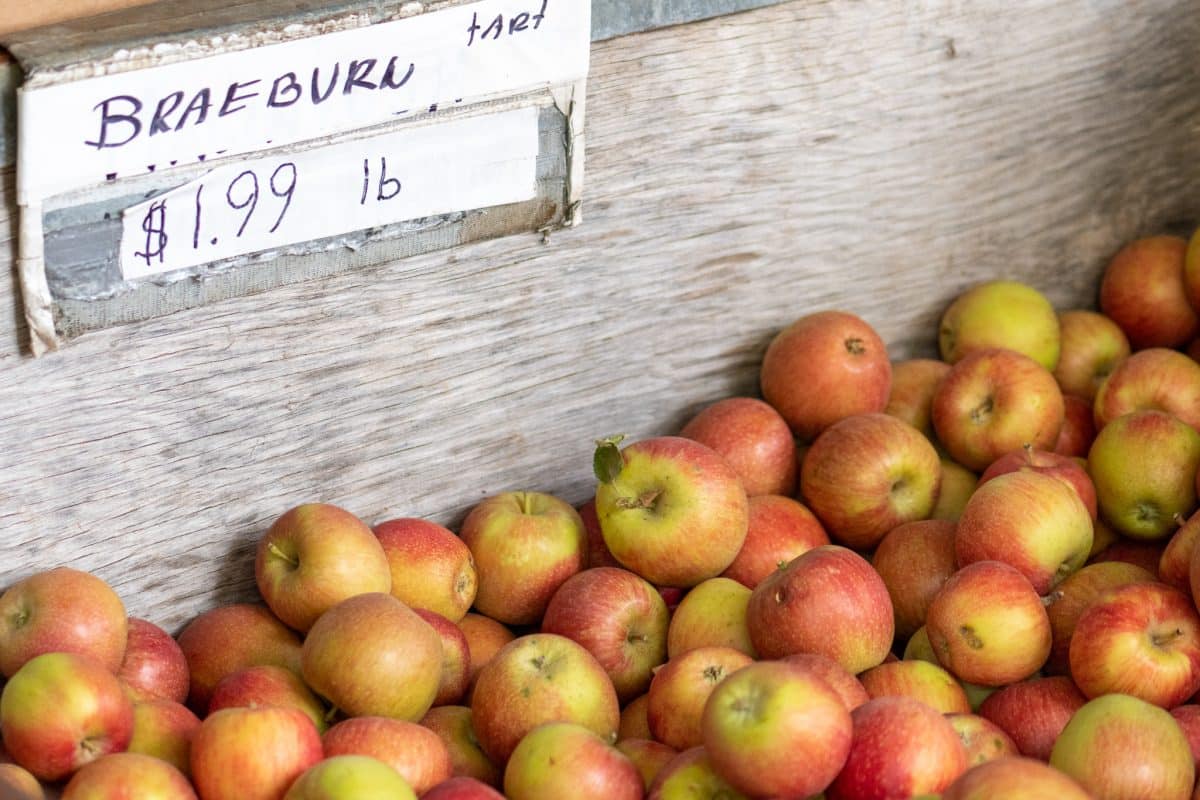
[[1028, 448], [331, 714], [275, 551]]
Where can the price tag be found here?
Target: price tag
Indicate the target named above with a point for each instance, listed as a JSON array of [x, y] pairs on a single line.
[[268, 203]]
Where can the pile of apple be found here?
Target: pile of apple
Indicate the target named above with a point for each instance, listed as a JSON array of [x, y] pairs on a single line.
[[965, 578]]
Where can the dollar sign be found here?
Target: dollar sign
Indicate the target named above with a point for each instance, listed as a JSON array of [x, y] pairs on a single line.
[[155, 224]]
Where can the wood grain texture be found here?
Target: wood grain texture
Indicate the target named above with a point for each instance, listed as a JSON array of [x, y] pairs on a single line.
[[741, 172]]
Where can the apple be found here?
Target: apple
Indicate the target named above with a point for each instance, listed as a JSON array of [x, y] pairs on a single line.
[[671, 509], [1188, 717], [920, 680], [691, 776], [598, 554], [252, 753], [350, 777], [1033, 712], [1119, 746], [164, 729], [462, 788], [988, 626], [225, 639], [1145, 554], [849, 688], [563, 759], [680, 689], [1158, 379], [1014, 778], [648, 756], [1001, 313], [983, 739], [634, 722], [61, 710], [154, 665], [900, 748], [914, 560], [456, 658], [119, 776], [711, 614], [828, 601], [1092, 345], [773, 729], [431, 567], [913, 384], [61, 610], [753, 438], [919, 648], [958, 484], [1142, 290], [18, 783], [779, 529], [995, 401], [485, 636], [619, 618], [1144, 467], [1175, 563], [1030, 520], [268, 685], [371, 655], [1074, 595], [823, 367], [1070, 470], [313, 557], [453, 726], [1143, 640], [540, 678], [1078, 429], [416, 753]]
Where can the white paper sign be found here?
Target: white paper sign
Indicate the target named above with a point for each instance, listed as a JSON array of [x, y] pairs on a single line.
[[267, 203], [100, 129]]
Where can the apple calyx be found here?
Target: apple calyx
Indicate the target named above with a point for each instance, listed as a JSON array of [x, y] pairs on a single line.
[[643, 500], [855, 346], [607, 461], [19, 617], [981, 412], [713, 673], [969, 636]]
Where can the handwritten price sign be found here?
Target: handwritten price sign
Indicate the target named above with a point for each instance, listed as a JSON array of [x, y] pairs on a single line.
[[267, 203]]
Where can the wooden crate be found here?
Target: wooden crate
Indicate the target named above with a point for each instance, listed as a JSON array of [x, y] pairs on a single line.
[[871, 156]]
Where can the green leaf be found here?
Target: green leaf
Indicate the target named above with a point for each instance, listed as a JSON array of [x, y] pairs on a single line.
[[607, 460]]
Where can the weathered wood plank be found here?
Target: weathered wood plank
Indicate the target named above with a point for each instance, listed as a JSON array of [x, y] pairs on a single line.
[[742, 172]]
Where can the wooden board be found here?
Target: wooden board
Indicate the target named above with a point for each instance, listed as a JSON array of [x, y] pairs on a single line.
[[21, 14], [742, 172]]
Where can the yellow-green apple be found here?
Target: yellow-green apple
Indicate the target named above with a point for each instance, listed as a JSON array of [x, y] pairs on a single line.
[[914, 560], [350, 777], [1158, 379], [313, 557], [417, 753], [1143, 291], [1030, 520], [753, 438], [983, 739], [995, 401], [525, 544], [987, 625], [619, 618], [1014, 778], [164, 729], [828, 601], [18, 783], [1144, 467], [1001, 313], [225, 639], [900, 748], [711, 614], [849, 688], [635, 723], [913, 384], [920, 680], [1033, 712], [681, 687], [485, 637], [564, 759], [598, 554], [671, 509], [1092, 345], [61, 610], [1175, 563], [453, 726], [691, 776], [648, 756], [919, 648], [120, 776], [1074, 595], [61, 711], [780, 528], [1119, 746], [456, 658], [252, 753], [773, 729], [822, 367], [431, 567], [958, 484], [538, 678], [1142, 639], [371, 655], [868, 473], [1070, 470], [462, 788], [1188, 717], [154, 665], [268, 685], [1078, 429]]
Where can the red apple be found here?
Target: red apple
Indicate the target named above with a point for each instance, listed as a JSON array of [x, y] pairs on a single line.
[[563, 759], [779, 529], [349, 777], [315, 556], [680, 690], [1092, 345], [1188, 717], [371, 655], [1034, 712], [598, 554], [453, 726], [456, 658], [154, 665], [1175, 563], [1014, 778], [417, 753], [1068, 469], [268, 685], [252, 753], [164, 729], [983, 739], [61, 711], [485, 637], [1157, 379], [844, 684], [120, 776], [61, 610], [1147, 555], [691, 776], [1074, 595], [1078, 429], [431, 567], [1005, 314], [1142, 290], [711, 614], [914, 560], [647, 755], [913, 384], [18, 783], [920, 680], [753, 438], [525, 544], [462, 788], [828, 601]]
